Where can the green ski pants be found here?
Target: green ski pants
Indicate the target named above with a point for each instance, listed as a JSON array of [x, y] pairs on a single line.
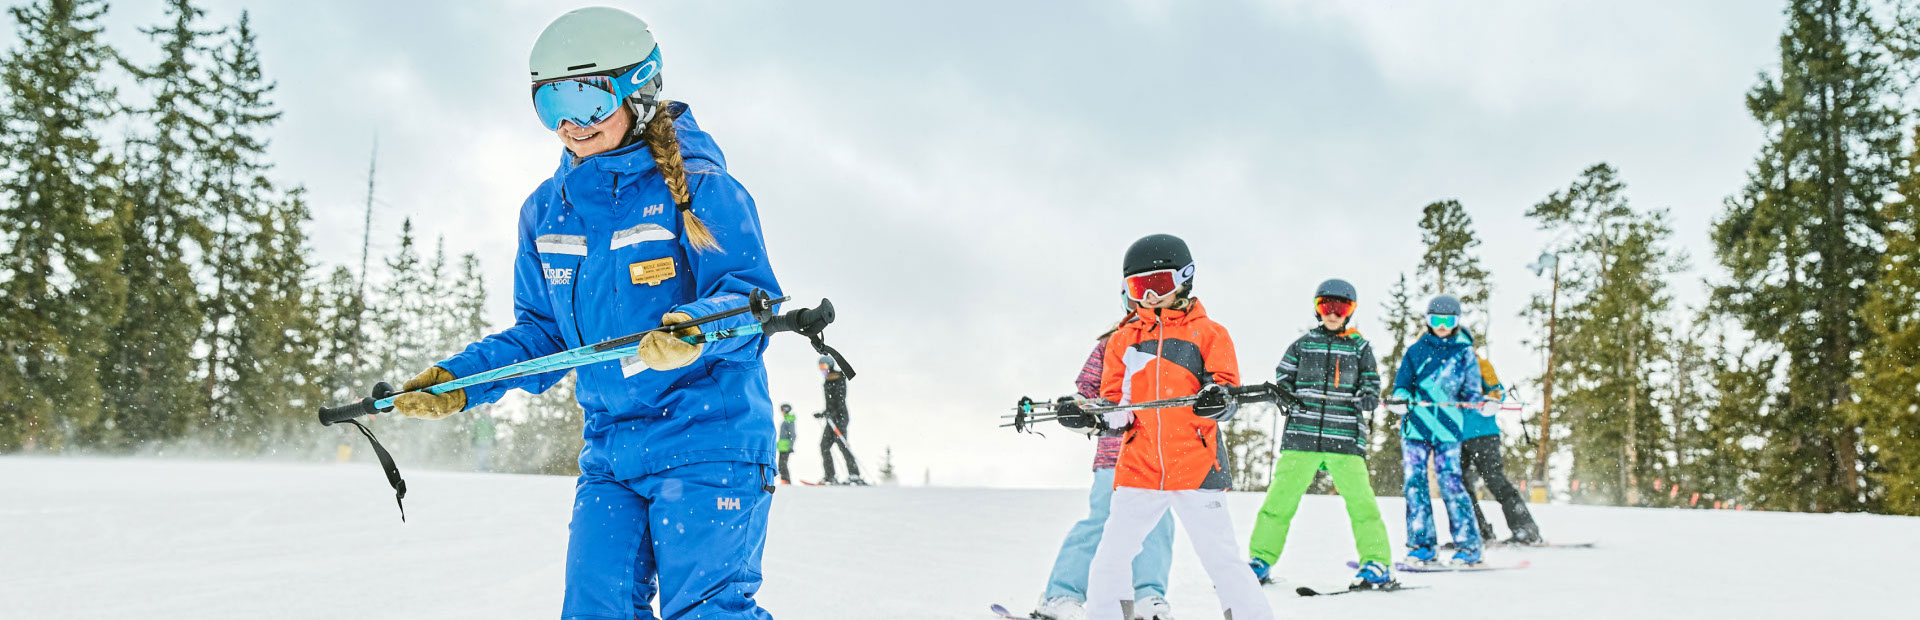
[[1291, 477]]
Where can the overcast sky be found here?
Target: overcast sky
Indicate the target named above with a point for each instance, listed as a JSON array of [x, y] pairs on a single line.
[[961, 178]]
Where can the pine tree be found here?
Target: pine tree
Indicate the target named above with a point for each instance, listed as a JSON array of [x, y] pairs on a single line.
[[1449, 264], [62, 211], [277, 338], [241, 202], [1801, 245], [1888, 408], [338, 307], [1614, 266], [150, 365]]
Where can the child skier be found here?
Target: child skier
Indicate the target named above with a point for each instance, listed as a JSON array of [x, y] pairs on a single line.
[[1437, 379], [1066, 595], [1480, 456], [785, 447], [1330, 377], [1171, 458], [640, 226]]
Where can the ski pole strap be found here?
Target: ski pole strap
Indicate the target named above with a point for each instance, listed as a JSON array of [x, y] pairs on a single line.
[[386, 463]]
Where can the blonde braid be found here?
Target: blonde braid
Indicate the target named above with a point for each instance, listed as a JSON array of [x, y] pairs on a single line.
[[664, 143]]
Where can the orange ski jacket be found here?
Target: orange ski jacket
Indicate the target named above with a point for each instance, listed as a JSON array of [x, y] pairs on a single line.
[[1169, 355]]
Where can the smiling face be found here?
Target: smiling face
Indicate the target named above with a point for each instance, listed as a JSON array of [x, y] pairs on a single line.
[[1333, 322], [590, 141], [1160, 303]]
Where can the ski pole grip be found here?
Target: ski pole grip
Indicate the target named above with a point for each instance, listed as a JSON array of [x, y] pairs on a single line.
[[331, 415], [804, 320]]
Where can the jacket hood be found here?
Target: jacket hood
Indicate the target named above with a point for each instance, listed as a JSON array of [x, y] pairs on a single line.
[[1461, 338], [1193, 312]]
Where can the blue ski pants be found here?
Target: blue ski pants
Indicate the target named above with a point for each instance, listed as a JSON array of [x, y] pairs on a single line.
[[1453, 493], [692, 534], [1072, 566]]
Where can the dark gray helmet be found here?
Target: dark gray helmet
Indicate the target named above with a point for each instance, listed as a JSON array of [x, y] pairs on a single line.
[[1444, 305], [1154, 252], [1337, 288], [827, 364]]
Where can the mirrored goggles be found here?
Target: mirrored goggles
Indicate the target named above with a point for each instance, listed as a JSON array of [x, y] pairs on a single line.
[[589, 100], [1161, 282], [1443, 320], [1336, 306]]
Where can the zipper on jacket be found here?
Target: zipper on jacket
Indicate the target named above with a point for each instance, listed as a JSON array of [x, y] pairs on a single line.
[[579, 273], [1160, 429]]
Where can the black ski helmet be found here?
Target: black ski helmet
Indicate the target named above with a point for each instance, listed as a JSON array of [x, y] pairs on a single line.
[[1443, 305], [1154, 252], [1337, 288]]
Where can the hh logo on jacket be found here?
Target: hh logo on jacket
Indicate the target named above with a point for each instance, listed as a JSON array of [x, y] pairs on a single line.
[[726, 503]]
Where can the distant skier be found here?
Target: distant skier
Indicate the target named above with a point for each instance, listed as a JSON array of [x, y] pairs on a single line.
[[1331, 378], [835, 431], [1066, 595], [785, 446], [1480, 456], [1171, 457], [1438, 378]]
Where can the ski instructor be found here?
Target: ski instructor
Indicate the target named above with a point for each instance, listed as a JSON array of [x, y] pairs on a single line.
[[640, 226]]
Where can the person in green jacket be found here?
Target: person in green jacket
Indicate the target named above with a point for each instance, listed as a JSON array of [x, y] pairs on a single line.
[[785, 446], [1330, 381]]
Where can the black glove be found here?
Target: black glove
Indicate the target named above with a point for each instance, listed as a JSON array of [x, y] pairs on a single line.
[[1073, 417], [1214, 403], [1369, 402], [819, 415]]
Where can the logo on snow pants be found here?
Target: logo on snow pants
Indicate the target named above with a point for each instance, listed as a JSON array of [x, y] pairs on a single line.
[[727, 503]]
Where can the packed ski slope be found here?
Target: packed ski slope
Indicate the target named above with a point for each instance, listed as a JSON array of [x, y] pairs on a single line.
[[163, 540]]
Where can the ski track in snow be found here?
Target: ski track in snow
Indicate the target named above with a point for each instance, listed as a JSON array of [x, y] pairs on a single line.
[[198, 540]]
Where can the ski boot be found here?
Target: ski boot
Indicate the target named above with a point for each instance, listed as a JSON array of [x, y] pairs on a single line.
[[1260, 570], [1152, 608], [1373, 576], [1060, 608], [1465, 557], [1420, 556], [857, 481], [1526, 536]]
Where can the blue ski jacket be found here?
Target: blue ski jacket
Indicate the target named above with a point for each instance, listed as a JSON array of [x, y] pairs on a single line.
[[1439, 370], [602, 255]]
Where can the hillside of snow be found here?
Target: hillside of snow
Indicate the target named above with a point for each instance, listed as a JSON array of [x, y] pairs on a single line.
[[194, 540]]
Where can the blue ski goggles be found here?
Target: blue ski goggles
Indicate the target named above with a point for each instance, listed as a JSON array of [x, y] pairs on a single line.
[[589, 100], [1443, 320]]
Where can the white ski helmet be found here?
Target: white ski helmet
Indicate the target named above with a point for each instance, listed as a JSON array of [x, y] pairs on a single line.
[[596, 40]]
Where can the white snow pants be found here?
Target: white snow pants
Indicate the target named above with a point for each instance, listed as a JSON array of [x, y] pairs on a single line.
[[1203, 514]]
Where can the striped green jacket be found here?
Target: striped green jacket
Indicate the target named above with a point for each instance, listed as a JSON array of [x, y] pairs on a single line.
[[1335, 383]]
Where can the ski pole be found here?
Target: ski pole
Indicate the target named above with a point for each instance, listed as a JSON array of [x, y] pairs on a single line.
[[1028, 412], [804, 320], [1481, 404]]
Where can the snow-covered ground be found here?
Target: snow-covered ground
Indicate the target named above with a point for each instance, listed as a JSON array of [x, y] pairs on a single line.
[[162, 539]]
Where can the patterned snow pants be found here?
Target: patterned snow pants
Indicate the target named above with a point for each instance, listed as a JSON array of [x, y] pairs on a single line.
[[1453, 492]]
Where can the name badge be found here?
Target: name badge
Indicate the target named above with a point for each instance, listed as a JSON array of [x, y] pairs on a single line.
[[651, 272]]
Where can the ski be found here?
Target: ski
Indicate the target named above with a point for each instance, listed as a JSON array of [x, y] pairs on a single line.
[[1001, 611], [1544, 545], [1306, 591], [1439, 567], [1448, 568]]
